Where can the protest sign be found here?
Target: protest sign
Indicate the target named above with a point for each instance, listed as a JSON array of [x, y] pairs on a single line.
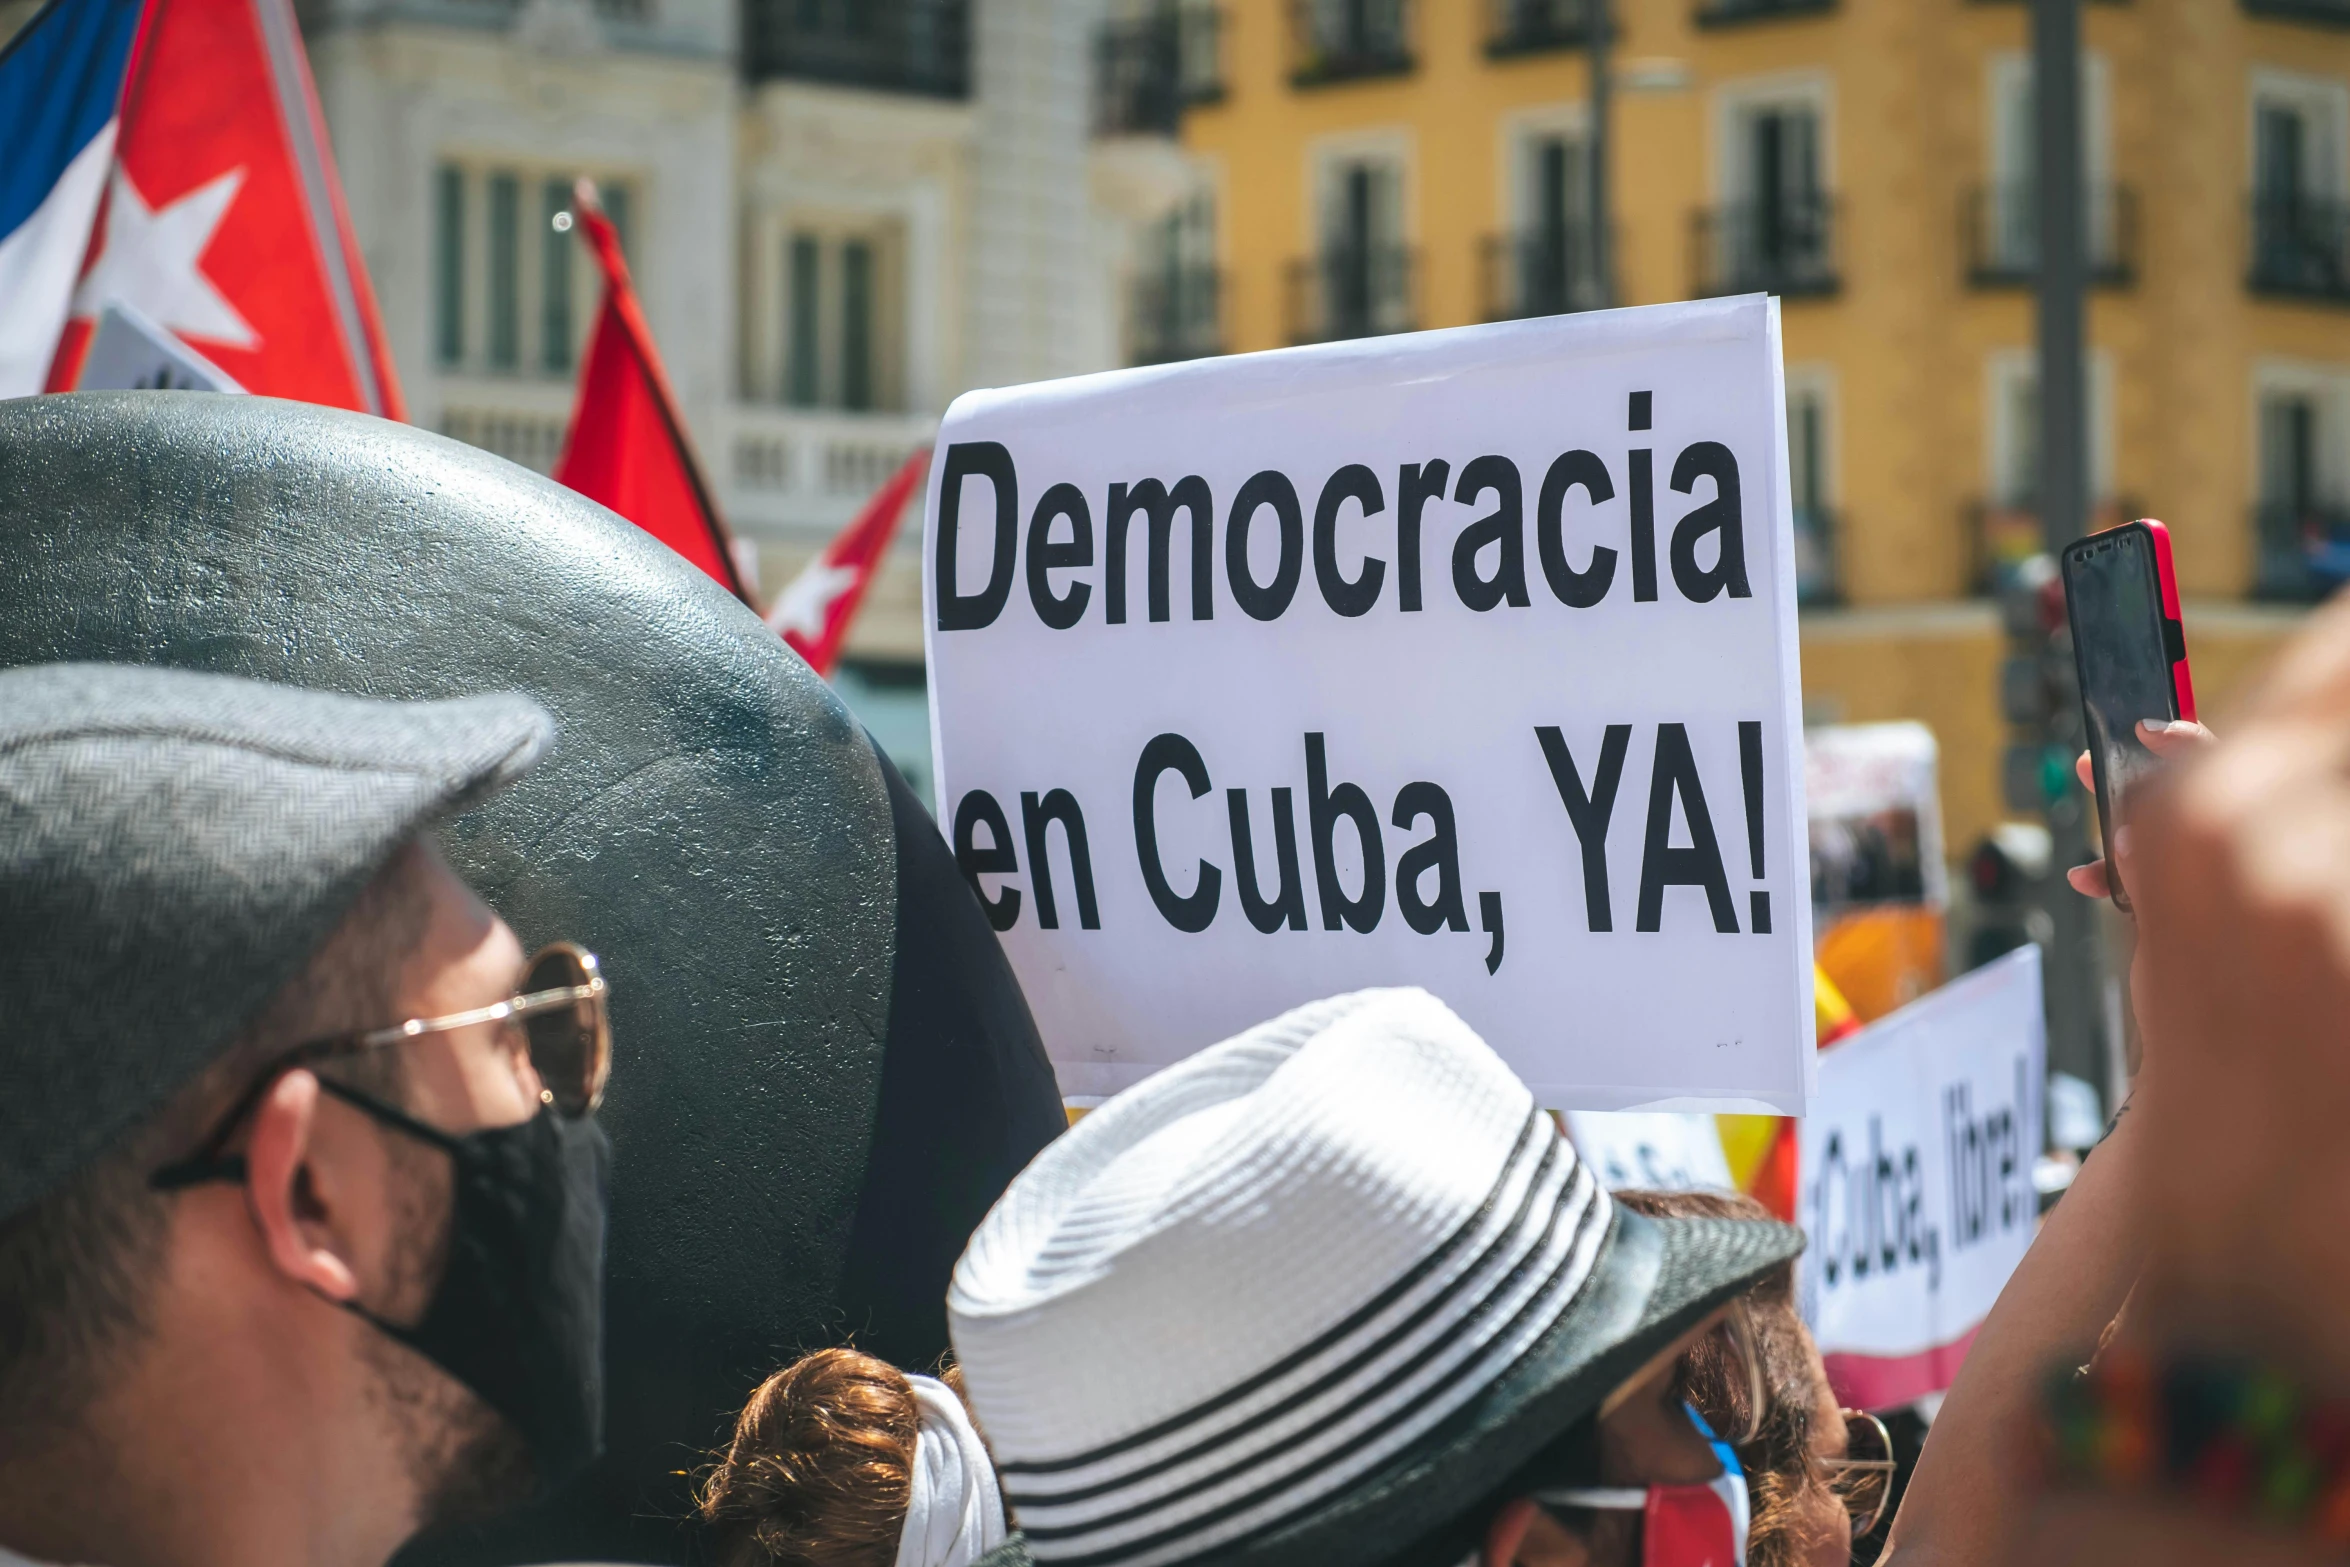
[[130, 352], [1653, 1150], [1917, 1193], [1464, 659]]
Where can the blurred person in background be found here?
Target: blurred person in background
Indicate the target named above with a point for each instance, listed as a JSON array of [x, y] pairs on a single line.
[[1337, 1291], [1818, 1476], [301, 1197], [843, 1460]]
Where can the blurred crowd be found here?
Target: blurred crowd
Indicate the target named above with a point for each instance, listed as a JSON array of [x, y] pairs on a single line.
[[301, 1202]]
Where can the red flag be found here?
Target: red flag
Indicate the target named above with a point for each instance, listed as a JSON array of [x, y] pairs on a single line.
[[223, 220], [814, 610], [627, 447]]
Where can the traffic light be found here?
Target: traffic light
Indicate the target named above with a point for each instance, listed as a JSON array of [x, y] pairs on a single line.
[[2008, 876], [2039, 696], [2039, 691]]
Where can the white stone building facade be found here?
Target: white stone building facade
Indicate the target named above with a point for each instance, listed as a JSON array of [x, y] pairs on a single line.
[[840, 214]]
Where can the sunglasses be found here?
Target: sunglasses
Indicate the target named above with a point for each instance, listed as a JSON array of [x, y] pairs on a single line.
[[565, 1030], [1863, 1478]]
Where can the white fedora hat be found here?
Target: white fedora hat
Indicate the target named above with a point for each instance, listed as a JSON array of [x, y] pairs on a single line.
[[1315, 1295]]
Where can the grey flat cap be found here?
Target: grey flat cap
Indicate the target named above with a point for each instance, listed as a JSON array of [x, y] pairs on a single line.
[[173, 848]]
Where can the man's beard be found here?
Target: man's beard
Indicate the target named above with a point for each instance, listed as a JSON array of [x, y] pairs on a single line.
[[465, 1461]]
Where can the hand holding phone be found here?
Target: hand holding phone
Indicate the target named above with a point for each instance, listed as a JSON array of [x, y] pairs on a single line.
[[2172, 742], [2130, 651]]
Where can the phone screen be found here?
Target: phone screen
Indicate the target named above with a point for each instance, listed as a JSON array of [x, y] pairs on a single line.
[[2125, 665]]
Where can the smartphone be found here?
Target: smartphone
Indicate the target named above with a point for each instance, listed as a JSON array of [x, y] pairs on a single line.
[[2131, 654]]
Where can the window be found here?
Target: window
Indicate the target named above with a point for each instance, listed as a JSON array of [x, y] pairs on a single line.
[[1772, 231], [2009, 520], [835, 323], [505, 313], [913, 46], [2299, 228], [1362, 247], [1173, 310], [555, 313], [1810, 431], [856, 324], [1544, 263], [803, 280], [1556, 259], [1342, 40], [2004, 242], [1358, 280], [2300, 522], [449, 263], [510, 294]]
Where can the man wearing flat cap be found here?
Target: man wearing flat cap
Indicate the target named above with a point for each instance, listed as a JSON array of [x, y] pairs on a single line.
[[301, 1194], [1336, 1291]]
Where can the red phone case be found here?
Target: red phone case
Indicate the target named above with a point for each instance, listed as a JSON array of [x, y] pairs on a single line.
[[2175, 629]]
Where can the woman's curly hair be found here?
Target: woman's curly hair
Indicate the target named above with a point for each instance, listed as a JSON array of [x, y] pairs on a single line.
[[1782, 1466], [820, 1468]]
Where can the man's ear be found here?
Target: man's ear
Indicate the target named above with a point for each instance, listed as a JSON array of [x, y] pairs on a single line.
[[1507, 1532], [293, 1207]]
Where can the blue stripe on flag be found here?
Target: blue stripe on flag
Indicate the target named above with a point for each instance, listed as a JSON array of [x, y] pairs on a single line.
[[60, 79]]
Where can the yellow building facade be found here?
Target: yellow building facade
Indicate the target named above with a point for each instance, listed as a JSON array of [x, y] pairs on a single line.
[[1375, 165]]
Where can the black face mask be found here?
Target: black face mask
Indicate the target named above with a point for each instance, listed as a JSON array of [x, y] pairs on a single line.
[[518, 1316]]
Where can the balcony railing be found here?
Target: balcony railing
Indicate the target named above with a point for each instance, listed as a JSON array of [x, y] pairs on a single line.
[[1539, 273], [1819, 578], [1348, 40], [2326, 13], [1154, 67], [1351, 292], [2300, 247], [804, 473], [1774, 247], [2302, 553], [909, 46], [1174, 313], [2000, 227], [1532, 26], [1728, 13]]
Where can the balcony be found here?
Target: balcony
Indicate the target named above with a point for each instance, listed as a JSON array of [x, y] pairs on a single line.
[[2300, 248], [803, 473], [1351, 291], [1784, 247], [1538, 273], [1516, 27], [2301, 553], [1154, 67], [2000, 233], [921, 47], [1731, 13], [1819, 579], [1335, 41], [1174, 313], [2325, 13]]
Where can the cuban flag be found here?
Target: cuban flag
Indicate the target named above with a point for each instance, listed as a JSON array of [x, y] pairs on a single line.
[[219, 220], [60, 85]]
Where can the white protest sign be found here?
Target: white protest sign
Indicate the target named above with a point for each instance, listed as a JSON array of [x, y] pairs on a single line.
[[1916, 1180], [1651, 1150], [130, 352], [1464, 659]]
